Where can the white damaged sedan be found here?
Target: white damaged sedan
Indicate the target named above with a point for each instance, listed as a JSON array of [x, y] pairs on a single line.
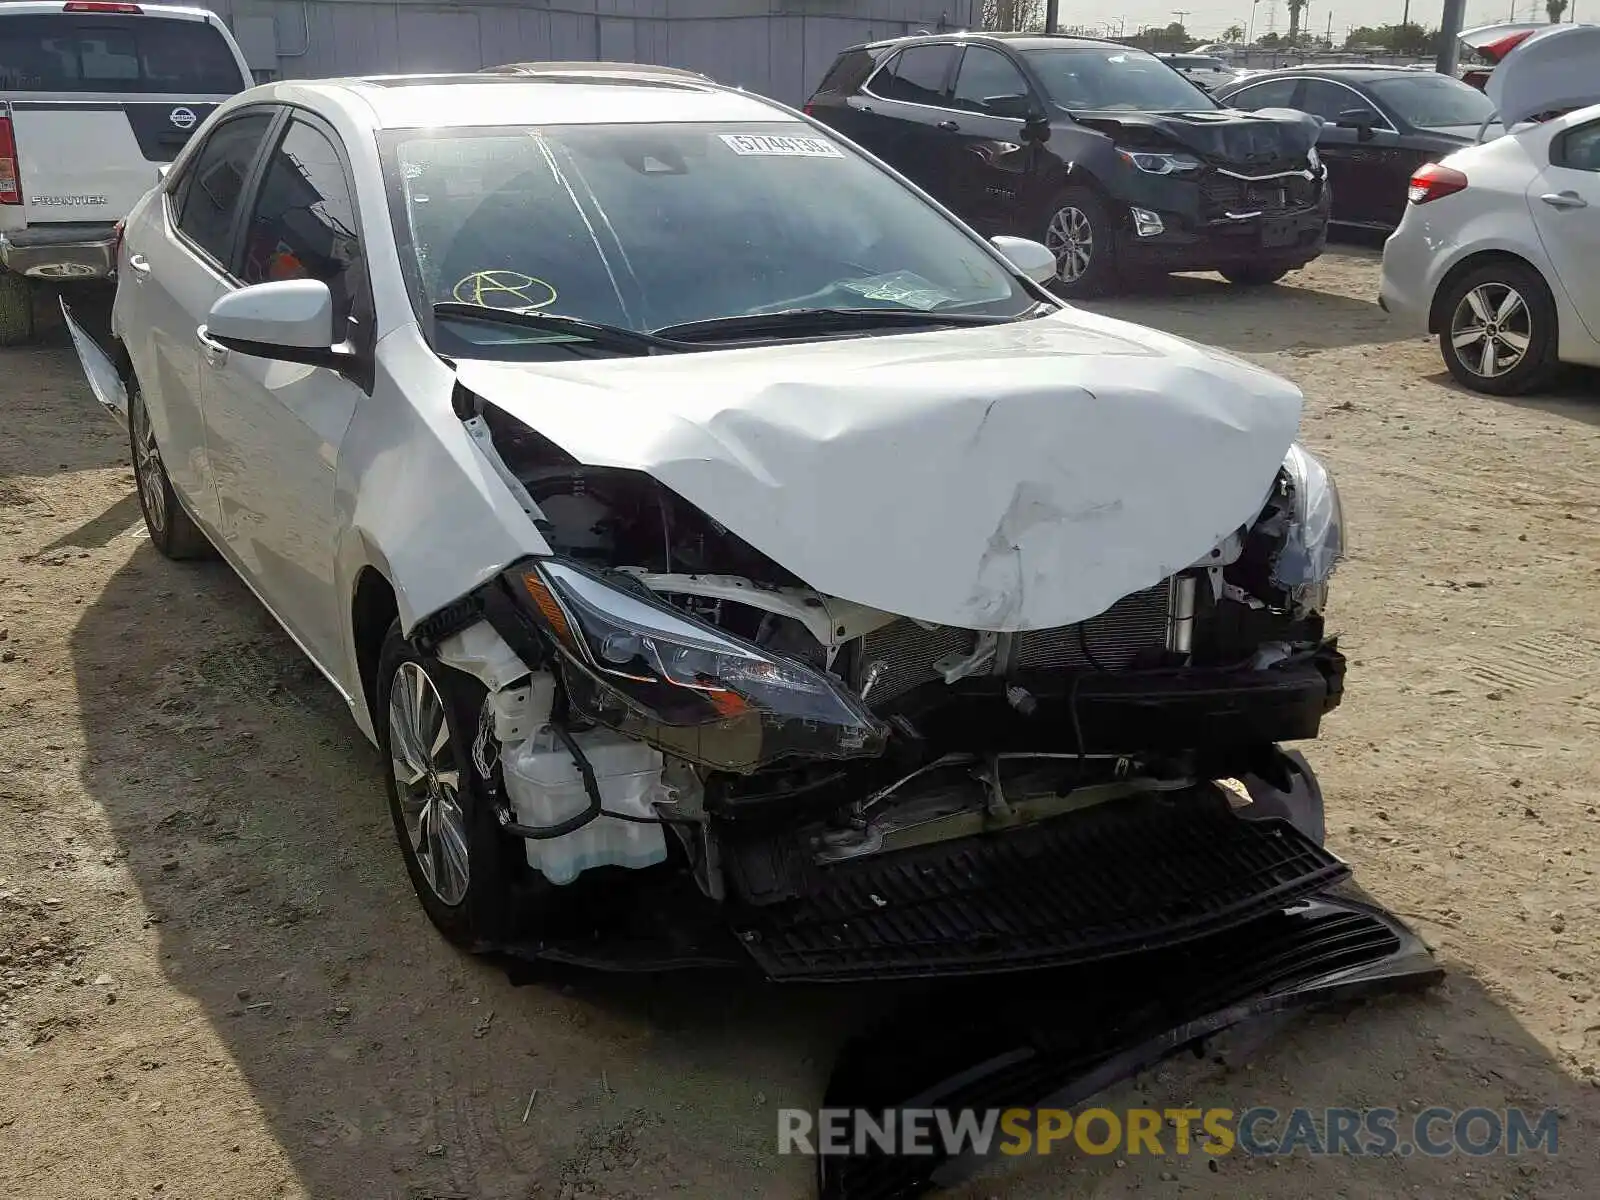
[[715, 534]]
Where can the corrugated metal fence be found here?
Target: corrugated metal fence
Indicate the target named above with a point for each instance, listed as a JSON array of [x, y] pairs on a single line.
[[777, 47]]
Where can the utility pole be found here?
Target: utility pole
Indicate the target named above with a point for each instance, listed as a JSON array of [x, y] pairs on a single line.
[[1406, 18], [1181, 13], [1052, 14], [1449, 37], [1330, 27]]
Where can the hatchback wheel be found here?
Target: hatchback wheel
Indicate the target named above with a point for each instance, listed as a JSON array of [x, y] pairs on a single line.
[[1497, 329], [1080, 235], [171, 529]]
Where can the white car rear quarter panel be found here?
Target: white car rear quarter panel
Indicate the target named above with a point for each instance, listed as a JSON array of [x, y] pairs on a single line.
[[1490, 215]]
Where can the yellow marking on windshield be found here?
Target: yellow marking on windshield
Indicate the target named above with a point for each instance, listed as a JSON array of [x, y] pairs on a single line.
[[504, 289]]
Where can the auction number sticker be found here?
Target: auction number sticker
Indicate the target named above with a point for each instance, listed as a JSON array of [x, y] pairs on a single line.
[[781, 146]]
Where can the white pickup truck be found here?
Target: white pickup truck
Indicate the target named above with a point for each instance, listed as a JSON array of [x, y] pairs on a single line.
[[96, 96]]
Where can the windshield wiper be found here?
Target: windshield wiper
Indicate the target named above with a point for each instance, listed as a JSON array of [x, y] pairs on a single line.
[[596, 333], [817, 320]]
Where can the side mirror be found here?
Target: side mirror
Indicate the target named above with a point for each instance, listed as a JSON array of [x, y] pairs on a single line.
[[1019, 107], [1036, 126], [290, 321], [1360, 119], [1029, 257]]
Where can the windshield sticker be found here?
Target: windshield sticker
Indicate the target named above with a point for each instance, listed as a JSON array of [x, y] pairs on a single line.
[[900, 287], [781, 146], [504, 289]]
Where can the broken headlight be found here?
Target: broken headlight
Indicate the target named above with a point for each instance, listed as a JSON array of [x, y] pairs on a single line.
[[639, 666], [1314, 541]]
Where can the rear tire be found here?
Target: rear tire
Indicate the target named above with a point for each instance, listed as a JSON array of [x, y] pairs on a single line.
[[16, 310], [473, 880], [171, 530], [1255, 274], [1497, 329], [1079, 232]]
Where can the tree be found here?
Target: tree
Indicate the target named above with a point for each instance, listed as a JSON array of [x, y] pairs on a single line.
[[1296, 7], [1409, 39], [1013, 14], [1268, 39], [1554, 8], [1235, 33]]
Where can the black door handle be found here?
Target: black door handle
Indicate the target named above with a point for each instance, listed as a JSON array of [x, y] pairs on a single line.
[[949, 126]]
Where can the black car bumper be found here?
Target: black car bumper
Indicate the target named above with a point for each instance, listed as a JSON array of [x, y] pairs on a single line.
[[1291, 238], [1057, 1038]]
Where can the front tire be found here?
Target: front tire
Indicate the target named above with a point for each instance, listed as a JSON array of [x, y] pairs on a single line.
[[1497, 329], [16, 309], [1080, 234], [1255, 274], [471, 878], [171, 530]]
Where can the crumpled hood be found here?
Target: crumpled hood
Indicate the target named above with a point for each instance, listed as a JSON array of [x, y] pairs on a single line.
[[1004, 477], [1225, 135]]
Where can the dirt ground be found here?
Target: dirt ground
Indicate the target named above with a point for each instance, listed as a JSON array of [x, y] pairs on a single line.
[[215, 981]]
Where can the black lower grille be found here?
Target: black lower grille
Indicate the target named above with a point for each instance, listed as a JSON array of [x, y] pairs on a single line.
[[1126, 876], [1224, 195]]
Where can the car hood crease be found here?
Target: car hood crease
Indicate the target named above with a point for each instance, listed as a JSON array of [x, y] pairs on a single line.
[[1223, 135], [1009, 477]]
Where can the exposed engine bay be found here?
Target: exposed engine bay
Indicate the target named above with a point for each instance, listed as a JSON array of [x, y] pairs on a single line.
[[661, 692]]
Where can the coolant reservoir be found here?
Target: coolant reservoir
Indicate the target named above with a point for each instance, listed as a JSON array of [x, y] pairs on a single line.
[[545, 789]]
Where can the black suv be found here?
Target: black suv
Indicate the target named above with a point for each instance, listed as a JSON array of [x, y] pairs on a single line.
[[1105, 153]]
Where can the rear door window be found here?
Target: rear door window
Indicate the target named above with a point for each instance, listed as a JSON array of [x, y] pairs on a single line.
[[215, 181], [112, 53], [917, 76]]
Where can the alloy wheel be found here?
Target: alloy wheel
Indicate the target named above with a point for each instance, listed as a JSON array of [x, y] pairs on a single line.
[[427, 780], [1491, 330], [147, 467], [1070, 237]]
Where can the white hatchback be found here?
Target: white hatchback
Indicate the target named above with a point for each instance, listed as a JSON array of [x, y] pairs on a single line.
[[1496, 251]]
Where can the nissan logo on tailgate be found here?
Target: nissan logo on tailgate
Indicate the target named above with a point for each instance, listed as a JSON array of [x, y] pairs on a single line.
[[183, 118]]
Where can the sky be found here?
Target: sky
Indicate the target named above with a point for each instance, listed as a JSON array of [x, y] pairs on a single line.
[[1207, 18]]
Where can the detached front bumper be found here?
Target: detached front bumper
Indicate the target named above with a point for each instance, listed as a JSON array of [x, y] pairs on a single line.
[[64, 254]]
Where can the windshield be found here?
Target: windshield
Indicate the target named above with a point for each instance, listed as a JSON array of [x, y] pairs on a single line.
[[1433, 101], [650, 226], [1114, 78], [44, 52]]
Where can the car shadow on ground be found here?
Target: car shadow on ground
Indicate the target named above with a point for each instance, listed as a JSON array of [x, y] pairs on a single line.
[[1256, 320], [252, 821], [1574, 395]]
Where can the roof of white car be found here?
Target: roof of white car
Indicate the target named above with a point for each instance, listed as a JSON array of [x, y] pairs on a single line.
[[15, 8], [412, 101]]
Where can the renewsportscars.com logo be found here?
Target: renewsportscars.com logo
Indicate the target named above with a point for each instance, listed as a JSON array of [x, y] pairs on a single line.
[[1259, 1132]]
